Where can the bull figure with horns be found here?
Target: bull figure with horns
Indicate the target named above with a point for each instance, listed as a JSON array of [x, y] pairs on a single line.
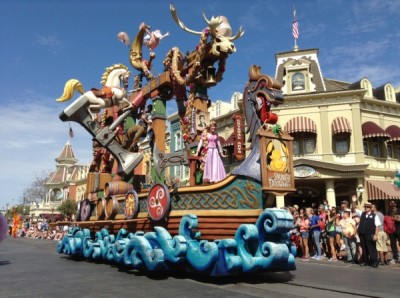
[[216, 43]]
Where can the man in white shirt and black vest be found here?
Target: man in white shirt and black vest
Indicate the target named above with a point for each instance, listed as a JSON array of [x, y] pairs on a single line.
[[368, 232]]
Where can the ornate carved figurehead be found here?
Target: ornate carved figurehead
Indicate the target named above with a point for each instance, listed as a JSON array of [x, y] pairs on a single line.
[[219, 29]]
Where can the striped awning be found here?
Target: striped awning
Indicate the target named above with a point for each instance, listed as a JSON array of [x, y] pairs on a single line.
[[300, 124], [372, 130], [394, 132], [382, 190], [340, 125]]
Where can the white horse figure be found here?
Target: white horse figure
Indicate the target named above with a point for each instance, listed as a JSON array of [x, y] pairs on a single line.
[[113, 92]]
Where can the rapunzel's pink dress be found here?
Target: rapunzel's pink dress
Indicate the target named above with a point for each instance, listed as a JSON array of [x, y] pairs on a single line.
[[214, 170]]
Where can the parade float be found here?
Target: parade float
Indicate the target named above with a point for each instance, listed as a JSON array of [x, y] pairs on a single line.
[[216, 229]]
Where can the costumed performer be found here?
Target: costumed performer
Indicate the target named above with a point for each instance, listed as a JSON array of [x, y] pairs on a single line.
[[214, 170], [16, 224]]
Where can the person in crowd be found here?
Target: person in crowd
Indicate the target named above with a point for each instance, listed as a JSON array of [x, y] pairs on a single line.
[[214, 170], [355, 206], [394, 237], [304, 233], [322, 225], [295, 232], [331, 233], [59, 234], [382, 238], [39, 226], [316, 232], [10, 226], [368, 232], [294, 208], [140, 129], [356, 217], [339, 243], [343, 206], [348, 227], [65, 229], [311, 246]]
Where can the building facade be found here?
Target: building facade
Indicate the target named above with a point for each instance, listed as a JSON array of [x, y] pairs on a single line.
[[68, 181], [346, 135]]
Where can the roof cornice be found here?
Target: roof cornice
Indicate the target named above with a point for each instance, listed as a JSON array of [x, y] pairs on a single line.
[[331, 166], [359, 92]]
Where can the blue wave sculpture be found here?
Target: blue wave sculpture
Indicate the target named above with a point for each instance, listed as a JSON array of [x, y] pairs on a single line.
[[264, 246]]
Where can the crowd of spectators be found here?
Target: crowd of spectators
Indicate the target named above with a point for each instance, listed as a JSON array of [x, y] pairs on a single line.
[[368, 237], [39, 230]]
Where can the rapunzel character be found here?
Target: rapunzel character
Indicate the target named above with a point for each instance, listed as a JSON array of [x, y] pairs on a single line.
[[3, 227], [214, 170]]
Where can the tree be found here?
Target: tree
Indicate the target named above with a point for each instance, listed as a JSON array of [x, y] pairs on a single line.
[[67, 208], [36, 192]]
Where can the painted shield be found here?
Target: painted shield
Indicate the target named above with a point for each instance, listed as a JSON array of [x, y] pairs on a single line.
[[158, 201], [131, 204]]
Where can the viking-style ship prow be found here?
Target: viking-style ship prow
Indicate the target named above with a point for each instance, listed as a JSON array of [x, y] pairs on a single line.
[[218, 229]]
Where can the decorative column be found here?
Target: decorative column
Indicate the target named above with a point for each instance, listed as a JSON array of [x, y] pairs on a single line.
[[280, 201], [330, 192]]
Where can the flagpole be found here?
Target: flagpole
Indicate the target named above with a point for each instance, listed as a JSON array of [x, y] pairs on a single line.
[[295, 30], [70, 133]]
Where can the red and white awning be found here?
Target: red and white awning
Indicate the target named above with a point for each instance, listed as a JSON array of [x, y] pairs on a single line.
[[300, 124]]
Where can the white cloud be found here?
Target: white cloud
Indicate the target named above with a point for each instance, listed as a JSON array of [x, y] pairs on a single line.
[[50, 42], [357, 60], [32, 137]]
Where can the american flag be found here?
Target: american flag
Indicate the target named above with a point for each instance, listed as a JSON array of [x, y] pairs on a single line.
[[295, 27]]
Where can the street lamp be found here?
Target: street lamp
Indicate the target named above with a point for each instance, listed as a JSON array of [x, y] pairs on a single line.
[[360, 190]]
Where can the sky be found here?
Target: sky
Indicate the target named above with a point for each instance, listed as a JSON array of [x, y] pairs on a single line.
[[45, 43]]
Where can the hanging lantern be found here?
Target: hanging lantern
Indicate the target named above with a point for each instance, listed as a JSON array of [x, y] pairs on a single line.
[[210, 77]]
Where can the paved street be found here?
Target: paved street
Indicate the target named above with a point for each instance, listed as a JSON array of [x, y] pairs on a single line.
[[33, 268]]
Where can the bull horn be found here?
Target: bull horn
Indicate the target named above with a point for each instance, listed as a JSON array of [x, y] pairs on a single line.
[[179, 22], [238, 35], [213, 23]]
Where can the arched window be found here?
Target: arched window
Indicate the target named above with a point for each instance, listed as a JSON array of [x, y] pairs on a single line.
[[178, 141], [366, 84], [341, 132], [389, 93], [298, 82], [303, 143], [304, 132], [374, 138], [235, 98]]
